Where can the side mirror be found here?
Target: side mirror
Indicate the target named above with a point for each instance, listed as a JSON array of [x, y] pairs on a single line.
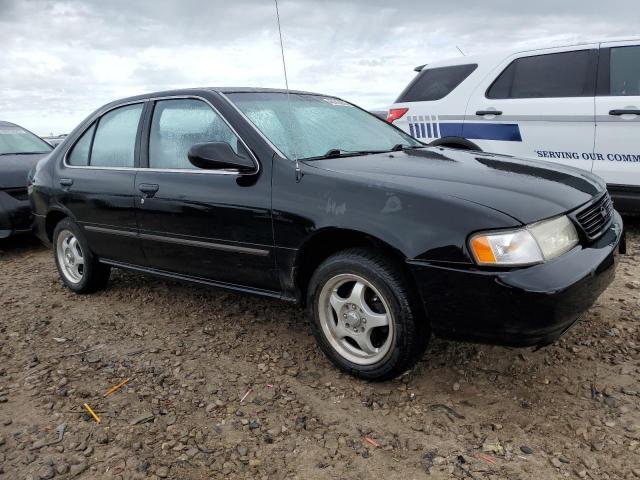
[[217, 156]]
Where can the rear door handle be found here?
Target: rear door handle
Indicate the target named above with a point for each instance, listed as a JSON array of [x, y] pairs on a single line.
[[624, 112], [481, 113], [66, 182], [148, 189]]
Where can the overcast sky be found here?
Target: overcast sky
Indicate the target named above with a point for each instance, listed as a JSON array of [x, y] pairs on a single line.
[[60, 60]]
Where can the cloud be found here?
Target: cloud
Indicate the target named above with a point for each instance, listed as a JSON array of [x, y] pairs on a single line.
[[63, 59]]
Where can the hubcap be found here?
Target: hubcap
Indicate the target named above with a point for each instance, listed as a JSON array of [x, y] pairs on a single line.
[[356, 319], [70, 256]]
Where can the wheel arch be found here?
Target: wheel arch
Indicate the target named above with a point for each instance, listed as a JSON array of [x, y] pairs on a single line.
[[55, 216], [331, 240]]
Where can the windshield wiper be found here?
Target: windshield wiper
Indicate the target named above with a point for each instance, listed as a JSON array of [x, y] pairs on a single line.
[[22, 153], [339, 152], [398, 147]]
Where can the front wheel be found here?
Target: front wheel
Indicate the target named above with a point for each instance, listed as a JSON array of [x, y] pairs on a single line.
[[79, 269], [365, 315]]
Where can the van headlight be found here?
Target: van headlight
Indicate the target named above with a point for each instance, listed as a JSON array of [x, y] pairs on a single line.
[[535, 243]]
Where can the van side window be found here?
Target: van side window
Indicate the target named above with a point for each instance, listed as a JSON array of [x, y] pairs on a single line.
[[553, 75], [179, 124], [625, 71], [435, 83], [115, 139], [79, 155]]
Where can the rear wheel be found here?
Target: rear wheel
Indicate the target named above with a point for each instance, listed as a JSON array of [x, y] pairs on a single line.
[[79, 269], [365, 316]]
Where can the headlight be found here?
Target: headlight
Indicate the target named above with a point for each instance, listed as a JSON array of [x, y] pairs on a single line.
[[535, 243]]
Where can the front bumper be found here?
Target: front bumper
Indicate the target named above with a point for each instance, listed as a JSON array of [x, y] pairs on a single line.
[[520, 307], [15, 213]]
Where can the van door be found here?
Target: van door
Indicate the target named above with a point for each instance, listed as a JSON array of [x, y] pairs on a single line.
[[617, 144], [538, 106]]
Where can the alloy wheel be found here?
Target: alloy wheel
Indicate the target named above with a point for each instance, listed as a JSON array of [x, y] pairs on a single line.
[[70, 256], [356, 319]]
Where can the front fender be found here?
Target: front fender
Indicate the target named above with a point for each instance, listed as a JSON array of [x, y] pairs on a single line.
[[420, 225]]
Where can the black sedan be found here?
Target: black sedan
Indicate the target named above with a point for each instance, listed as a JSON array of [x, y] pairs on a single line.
[[20, 150], [308, 198]]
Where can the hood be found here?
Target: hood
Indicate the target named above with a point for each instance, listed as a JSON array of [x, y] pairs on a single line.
[[527, 190], [15, 168]]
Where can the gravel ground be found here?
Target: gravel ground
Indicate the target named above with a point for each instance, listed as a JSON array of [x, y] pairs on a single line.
[[223, 385]]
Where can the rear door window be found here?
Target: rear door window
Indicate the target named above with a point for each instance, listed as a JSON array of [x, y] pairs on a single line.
[[435, 83], [114, 144], [566, 74], [625, 71]]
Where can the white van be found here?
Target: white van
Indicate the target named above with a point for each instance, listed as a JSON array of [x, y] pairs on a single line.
[[578, 105]]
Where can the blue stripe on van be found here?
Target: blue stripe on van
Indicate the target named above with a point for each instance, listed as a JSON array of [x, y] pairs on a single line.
[[507, 132], [450, 129]]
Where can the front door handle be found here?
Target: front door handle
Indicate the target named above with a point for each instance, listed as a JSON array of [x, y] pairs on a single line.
[[481, 113], [66, 182], [148, 189], [624, 112]]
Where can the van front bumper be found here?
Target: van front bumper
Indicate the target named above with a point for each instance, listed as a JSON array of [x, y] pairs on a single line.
[[519, 307]]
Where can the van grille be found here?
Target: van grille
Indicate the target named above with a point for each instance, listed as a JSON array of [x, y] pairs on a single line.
[[595, 218]]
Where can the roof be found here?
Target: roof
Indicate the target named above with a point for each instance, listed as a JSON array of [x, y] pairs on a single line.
[[503, 53], [7, 124], [258, 90], [200, 90]]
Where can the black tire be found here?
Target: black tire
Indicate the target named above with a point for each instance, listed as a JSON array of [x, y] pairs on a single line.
[[410, 326], [95, 275]]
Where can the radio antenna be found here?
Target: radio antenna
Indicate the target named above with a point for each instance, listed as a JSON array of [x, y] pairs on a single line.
[[286, 83], [460, 50]]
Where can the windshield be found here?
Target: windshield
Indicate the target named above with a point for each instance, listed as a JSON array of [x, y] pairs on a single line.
[[16, 140], [319, 126]]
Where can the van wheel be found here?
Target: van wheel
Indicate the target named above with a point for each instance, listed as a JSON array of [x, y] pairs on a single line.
[[79, 269], [365, 316]]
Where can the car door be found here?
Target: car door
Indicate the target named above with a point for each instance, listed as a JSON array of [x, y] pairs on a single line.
[[617, 145], [95, 183], [538, 105], [212, 224]]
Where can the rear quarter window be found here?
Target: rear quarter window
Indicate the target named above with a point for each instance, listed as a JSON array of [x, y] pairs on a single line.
[[435, 83], [79, 155], [552, 75]]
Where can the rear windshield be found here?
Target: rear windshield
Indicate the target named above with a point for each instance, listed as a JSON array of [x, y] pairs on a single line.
[[17, 140], [435, 83], [312, 125]]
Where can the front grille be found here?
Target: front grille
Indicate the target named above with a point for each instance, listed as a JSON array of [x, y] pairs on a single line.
[[18, 193], [595, 218]]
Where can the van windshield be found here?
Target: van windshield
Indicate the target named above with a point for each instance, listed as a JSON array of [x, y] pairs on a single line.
[[319, 126]]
